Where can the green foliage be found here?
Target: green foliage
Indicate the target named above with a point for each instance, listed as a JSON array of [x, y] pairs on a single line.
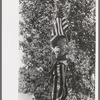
[[35, 28]]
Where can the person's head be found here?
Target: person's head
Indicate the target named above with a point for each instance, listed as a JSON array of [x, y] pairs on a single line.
[[62, 42], [59, 41]]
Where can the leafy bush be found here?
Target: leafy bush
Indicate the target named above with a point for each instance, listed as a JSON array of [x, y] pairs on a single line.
[[35, 28]]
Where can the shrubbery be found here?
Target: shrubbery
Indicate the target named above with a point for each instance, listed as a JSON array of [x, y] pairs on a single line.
[[35, 28]]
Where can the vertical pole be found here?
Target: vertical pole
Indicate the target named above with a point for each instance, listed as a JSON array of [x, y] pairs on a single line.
[[61, 82], [55, 84]]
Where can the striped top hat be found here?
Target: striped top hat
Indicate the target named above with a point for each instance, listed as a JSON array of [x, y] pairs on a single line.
[[60, 27]]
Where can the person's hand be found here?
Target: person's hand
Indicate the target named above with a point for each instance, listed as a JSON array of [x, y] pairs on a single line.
[[57, 51]]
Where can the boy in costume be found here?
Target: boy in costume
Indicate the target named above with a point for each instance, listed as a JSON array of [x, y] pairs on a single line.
[[60, 51]]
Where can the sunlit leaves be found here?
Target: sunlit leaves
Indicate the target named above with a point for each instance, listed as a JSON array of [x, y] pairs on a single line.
[[35, 28]]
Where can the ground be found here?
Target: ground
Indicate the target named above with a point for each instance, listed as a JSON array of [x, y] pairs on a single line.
[[22, 96]]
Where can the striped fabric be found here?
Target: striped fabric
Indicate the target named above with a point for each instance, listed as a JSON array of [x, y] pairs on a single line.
[[60, 27]]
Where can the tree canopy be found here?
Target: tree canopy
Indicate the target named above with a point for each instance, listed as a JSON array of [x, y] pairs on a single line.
[[35, 27]]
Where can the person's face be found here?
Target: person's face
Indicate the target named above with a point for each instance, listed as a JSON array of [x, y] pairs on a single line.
[[62, 42]]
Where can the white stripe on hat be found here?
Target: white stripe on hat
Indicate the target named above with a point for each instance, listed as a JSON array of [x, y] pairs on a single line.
[[58, 24], [65, 26], [55, 28], [62, 33]]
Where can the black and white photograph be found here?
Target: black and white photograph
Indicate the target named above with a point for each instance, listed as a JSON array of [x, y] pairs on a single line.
[[57, 49]]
